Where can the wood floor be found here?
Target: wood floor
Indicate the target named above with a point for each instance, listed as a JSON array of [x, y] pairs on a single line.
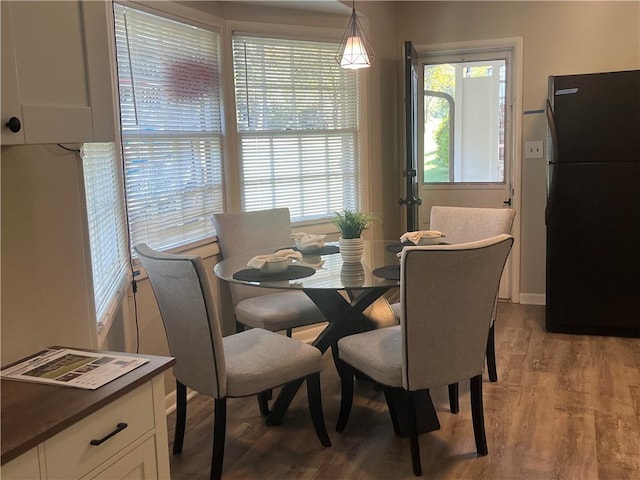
[[564, 407]]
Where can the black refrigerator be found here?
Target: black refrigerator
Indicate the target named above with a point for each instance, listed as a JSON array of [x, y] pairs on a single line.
[[593, 204]]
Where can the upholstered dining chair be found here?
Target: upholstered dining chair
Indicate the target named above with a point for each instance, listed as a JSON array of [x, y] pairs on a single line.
[[259, 307], [468, 224], [238, 365], [457, 284]]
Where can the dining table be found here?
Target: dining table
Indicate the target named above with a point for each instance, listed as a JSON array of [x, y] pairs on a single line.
[[349, 294]]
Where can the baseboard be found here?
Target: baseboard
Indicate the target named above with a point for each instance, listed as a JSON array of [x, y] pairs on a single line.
[[533, 298]]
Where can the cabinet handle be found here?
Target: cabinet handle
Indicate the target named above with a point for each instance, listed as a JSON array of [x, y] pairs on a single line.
[[119, 428], [14, 124]]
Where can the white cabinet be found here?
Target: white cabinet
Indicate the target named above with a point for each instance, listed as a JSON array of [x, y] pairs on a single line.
[[71, 454], [118, 431], [10, 102], [140, 462], [57, 72], [25, 467]]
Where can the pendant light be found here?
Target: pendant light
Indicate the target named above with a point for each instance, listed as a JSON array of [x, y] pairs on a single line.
[[355, 51]]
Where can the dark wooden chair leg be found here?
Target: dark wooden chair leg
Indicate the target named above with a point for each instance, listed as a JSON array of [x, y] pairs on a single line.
[[391, 405], [346, 401], [413, 434], [477, 415], [491, 355], [263, 402], [454, 404], [219, 432], [181, 417], [289, 332], [314, 396]]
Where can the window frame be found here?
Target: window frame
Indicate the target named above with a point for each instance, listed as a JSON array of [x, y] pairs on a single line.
[[179, 135], [344, 134], [104, 315], [473, 55], [231, 164], [232, 173]]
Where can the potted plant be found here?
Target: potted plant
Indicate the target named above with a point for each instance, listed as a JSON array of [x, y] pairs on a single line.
[[351, 225]]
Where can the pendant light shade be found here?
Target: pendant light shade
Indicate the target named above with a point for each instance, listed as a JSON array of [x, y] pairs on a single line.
[[355, 51]]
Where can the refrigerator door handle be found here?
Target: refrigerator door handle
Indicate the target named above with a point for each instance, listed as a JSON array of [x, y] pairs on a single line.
[[552, 129], [552, 175]]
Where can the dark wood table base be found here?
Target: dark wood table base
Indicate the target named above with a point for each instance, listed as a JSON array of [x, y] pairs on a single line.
[[426, 416], [345, 318]]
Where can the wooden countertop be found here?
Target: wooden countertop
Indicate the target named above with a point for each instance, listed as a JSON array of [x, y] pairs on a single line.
[[34, 412]]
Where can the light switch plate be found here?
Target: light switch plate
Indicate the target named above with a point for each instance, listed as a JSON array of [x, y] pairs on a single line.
[[534, 149]]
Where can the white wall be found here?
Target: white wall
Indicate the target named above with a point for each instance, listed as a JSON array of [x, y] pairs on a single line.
[[45, 283]]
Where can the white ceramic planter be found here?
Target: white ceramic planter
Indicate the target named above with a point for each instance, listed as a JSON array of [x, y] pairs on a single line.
[[351, 249]]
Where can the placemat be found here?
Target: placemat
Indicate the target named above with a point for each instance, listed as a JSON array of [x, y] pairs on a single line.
[[291, 273], [397, 247], [326, 250], [390, 272]]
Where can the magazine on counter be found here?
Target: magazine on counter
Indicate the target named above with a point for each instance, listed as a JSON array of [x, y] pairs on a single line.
[[72, 368]]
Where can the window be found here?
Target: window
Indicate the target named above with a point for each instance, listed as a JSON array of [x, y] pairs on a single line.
[[464, 122], [169, 84], [297, 116], [107, 228]]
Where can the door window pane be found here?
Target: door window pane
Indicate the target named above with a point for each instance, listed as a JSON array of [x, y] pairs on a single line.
[[464, 109]]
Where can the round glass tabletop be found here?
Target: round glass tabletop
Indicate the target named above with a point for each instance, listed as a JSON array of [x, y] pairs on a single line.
[[329, 270]]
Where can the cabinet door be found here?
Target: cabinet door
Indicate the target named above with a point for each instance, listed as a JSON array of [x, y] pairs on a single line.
[[10, 96], [71, 454], [138, 464], [62, 69], [25, 467]]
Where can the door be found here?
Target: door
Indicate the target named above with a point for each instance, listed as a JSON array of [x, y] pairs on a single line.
[[465, 131], [411, 87], [10, 104]]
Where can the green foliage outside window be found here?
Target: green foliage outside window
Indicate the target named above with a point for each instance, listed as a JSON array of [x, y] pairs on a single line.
[[437, 78], [439, 171]]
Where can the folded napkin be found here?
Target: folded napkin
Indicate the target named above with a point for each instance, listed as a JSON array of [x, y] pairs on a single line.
[[308, 240], [415, 237], [260, 260]]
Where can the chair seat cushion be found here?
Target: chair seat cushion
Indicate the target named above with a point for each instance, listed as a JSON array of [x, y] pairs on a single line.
[[376, 353], [258, 360], [278, 311]]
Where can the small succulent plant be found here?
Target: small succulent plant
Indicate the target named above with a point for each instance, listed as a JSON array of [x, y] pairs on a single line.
[[352, 223]]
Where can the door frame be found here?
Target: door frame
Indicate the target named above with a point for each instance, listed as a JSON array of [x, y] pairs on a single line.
[[516, 45]]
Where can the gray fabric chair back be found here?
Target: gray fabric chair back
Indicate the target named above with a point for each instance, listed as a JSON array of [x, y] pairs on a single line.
[[183, 292], [467, 224], [249, 231], [447, 295]]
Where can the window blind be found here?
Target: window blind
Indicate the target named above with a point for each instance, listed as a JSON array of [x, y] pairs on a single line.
[[169, 85], [298, 120], [107, 227]]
